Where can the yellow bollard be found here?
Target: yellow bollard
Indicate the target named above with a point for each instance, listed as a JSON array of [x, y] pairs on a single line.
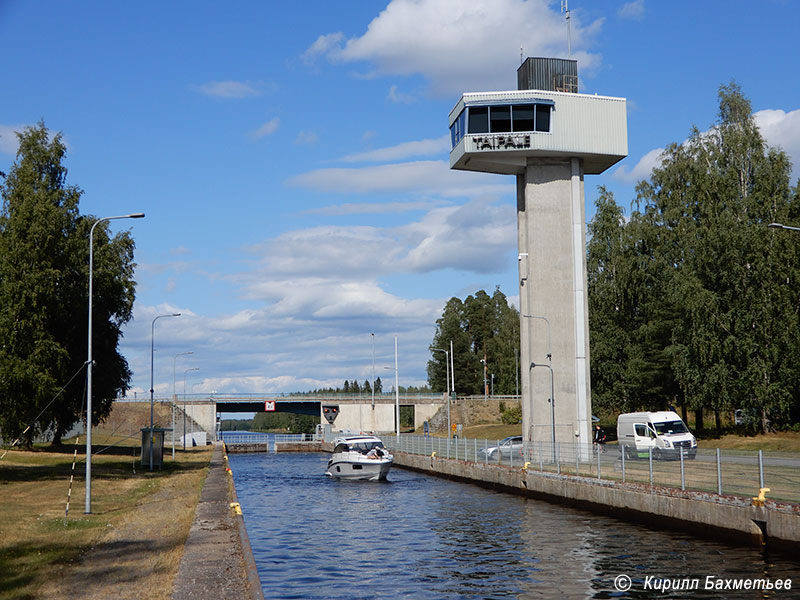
[[236, 508], [762, 496]]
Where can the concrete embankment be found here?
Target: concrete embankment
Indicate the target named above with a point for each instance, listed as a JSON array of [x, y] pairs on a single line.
[[217, 559], [731, 517]]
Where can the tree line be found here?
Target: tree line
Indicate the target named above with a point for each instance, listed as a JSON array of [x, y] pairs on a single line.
[[693, 299], [484, 332], [44, 264]]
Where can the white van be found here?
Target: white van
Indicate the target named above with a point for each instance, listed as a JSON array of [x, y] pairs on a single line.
[[663, 431]]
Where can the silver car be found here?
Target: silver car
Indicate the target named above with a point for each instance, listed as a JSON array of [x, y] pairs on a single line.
[[511, 445]]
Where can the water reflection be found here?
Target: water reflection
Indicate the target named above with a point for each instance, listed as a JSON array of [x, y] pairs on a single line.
[[421, 537]]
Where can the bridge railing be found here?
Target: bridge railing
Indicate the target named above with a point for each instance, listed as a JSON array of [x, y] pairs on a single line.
[[713, 471], [405, 397]]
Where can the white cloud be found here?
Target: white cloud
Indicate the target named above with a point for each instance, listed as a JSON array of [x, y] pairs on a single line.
[[373, 208], [632, 10], [428, 147], [8, 138], [399, 97], [266, 129], [306, 138], [424, 177], [641, 170], [459, 45], [324, 44], [230, 89], [474, 237], [782, 129]]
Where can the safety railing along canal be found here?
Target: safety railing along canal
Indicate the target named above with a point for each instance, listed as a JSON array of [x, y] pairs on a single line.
[[722, 472]]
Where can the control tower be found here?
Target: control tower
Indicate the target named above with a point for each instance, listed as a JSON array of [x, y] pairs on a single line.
[[549, 136]]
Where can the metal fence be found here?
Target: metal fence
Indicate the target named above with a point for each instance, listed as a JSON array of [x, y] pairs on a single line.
[[723, 472], [270, 439]]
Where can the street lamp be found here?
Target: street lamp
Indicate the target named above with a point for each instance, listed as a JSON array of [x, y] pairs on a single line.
[[446, 382], [396, 392], [483, 360], [89, 362], [552, 404], [373, 378], [174, 398], [549, 343], [782, 226], [152, 347], [549, 358], [184, 408]]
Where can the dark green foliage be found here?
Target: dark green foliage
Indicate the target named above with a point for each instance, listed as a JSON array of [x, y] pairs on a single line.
[[44, 250], [511, 416], [482, 327], [694, 300], [235, 424], [284, 422]]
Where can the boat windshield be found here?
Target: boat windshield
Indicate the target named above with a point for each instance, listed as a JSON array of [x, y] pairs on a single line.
[[670, 427], [365, 447]]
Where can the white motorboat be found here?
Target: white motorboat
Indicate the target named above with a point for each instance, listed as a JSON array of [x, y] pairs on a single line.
[[359, 457]]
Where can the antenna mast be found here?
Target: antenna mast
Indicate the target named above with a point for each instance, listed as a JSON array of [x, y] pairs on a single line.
[[565, 10]]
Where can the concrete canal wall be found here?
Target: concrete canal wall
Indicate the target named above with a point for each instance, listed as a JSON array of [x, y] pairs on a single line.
[[731, 517]]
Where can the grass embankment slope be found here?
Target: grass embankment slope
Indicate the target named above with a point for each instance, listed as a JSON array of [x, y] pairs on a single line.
[[131, 544]]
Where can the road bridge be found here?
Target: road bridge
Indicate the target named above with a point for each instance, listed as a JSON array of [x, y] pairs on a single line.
[[356, 412]]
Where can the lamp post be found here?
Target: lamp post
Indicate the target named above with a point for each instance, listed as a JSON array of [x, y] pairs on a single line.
[[446, 382], [782, 226], [552, 404], [184, 408], [549, 358], [152, 348], [373, 378], [89, 361], [174, 398], [549, 339], [483, 361], [396, 392]]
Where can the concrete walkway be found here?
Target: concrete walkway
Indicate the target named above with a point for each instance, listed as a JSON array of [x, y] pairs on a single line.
[[217, 560]]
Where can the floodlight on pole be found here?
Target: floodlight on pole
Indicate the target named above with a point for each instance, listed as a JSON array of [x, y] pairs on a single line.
[[782, 226], [184, 408], [446, 382], [90, 362], [174, 398], [152, 351]]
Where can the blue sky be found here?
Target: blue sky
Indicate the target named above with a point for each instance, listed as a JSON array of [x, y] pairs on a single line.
[[292, 158]]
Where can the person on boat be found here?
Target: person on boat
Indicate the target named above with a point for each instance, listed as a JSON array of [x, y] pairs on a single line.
[[375, 452]]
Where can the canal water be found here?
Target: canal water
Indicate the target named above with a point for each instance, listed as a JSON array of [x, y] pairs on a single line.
[[417, 536]]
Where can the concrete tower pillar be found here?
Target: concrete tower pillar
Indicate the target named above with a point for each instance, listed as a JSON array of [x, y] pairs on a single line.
[[554, 328]]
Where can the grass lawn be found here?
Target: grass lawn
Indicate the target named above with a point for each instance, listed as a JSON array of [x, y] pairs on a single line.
[[132, 541]]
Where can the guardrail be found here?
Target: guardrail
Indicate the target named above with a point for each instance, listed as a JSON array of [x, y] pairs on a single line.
[[715, 471]]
